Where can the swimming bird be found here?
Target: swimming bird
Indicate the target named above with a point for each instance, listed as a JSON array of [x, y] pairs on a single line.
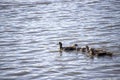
[[87, 48], [68, 48], [78, 48], [99, 52], [83, 49]]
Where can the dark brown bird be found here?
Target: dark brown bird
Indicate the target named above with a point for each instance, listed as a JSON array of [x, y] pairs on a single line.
[[68, 48], [99, 52]]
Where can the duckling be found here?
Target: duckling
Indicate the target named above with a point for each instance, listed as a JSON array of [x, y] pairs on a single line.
[[87, 48], [70, 48], [78, 48], [83, 49], [91, 52], [99, 52]]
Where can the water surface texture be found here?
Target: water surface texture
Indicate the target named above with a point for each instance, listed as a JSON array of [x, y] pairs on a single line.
[[31, 29]]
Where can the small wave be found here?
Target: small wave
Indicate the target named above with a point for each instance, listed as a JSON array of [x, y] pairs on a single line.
[[19, 73]]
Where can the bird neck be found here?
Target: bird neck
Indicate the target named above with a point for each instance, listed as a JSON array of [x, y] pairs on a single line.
[[87, 48], [61, 46]]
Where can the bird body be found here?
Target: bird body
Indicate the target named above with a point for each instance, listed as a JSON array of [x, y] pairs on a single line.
[[68, 48], [99, 52]]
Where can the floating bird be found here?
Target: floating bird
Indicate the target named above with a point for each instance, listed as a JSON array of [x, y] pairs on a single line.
[[99, 52], [68, 48], [83, 49]]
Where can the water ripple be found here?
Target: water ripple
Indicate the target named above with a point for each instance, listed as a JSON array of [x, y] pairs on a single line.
[[30, 32]]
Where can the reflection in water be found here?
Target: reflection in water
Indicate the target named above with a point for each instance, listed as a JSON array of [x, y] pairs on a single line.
[[30, 31]]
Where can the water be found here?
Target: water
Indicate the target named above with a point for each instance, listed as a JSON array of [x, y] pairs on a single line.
[[30, 32]]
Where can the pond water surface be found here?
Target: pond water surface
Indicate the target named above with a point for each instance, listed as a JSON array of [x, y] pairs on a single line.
[[31, 29]]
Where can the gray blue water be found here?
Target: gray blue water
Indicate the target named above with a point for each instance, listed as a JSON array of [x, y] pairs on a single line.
[[31, 29]]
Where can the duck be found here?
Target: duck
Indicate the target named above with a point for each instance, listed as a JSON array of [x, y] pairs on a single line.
[[91, 52], [68, 48], [99, 52], [78, 48], [83, 49], [87, 48]]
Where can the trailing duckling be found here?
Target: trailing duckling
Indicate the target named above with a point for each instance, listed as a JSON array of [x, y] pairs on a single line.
[[83, 49], [99, 52], [69, 48]]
